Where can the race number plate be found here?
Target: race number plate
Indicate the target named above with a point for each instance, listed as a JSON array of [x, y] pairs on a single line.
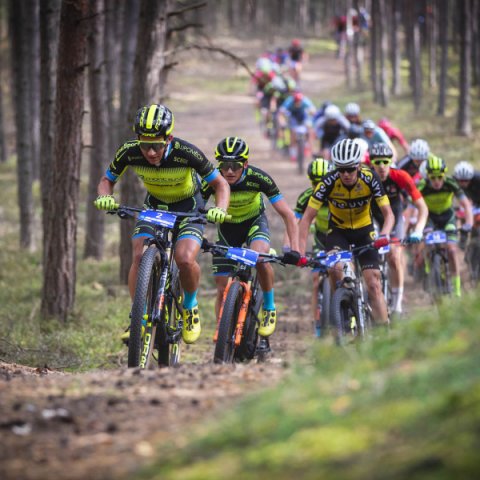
[[164, 219], [243, 255]]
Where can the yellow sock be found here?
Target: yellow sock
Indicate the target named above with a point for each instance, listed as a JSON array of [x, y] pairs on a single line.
[[457, 285]]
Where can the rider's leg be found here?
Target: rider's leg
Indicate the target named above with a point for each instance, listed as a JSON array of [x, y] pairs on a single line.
[[375, 296], [396, 264], [454, 262]]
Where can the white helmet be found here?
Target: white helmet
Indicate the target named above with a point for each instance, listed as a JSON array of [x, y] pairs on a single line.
[[352, 109], [419, 150], [347, 153], [463, 171], [332, 112], [423, 169]]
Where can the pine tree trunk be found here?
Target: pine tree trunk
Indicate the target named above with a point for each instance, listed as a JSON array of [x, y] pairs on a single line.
[[395, 53], [49, 19], [432, 42], [3, 144], [19, 18], [382, 13], [443, 27], [464, 124], [415, 60], [373, 51], [61, 236], [99, 152]]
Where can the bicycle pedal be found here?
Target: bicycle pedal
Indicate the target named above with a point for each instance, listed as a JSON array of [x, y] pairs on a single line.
[[263, 346]]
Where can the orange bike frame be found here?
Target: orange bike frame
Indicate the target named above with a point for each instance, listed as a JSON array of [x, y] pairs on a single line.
[[242, 314]]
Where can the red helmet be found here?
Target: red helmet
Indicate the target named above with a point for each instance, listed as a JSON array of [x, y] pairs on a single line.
[[297, 96], [295, 42]]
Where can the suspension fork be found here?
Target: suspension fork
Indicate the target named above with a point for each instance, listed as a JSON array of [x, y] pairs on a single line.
[[242, 314]]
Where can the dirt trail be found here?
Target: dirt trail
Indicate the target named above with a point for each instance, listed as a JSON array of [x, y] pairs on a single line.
[[104, 424]]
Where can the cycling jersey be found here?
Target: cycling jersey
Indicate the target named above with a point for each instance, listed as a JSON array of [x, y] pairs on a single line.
[[473, 190], [379, 136], [440, 201], [349, 206], [301, 112], [175, 178], [295, 53], [321, 220], [246, 199]]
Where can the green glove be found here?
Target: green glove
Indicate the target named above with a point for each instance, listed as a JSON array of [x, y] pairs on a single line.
[[105, 202], [216, 215]]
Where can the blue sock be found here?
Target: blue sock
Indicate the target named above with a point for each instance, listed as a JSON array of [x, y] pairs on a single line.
[[190, 300], [268, 300]]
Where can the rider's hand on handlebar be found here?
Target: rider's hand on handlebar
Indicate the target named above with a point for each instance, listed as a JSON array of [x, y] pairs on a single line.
[[381, 241], [466, 227], [415, 237], [105, 202], [216, 215], [294, 258]]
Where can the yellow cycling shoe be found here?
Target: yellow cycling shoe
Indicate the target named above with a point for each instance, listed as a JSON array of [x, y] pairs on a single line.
[[267, 327], [191, 325], [125, 336]]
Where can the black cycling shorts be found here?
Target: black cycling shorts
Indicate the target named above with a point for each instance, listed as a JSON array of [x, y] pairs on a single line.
[[342, 238], [237, 235], [187, 229]]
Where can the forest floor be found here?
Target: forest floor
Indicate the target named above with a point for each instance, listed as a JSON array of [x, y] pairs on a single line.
[[106, 424]]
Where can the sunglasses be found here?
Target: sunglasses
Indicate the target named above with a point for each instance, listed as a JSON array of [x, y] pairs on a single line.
[[155, 146], [383, 161], [436, 177], [234, 166], [346, 169]]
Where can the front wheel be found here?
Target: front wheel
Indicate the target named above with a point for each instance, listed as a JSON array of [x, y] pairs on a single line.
[[344, 314], [225, 346], [142, 329]]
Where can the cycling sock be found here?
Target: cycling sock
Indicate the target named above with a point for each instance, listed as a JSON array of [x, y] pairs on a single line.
[[190, 299], [457, 285], [397, 299], [268, 300]]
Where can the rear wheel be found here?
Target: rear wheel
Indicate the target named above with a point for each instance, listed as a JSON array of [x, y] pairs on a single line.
[[140, 346], [325, 298], [344, 314], [300, 153], [225, 346]]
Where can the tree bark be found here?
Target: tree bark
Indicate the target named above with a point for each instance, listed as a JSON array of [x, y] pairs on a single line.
[[432, 27], [395, 52], [19, 18], [415, 59], [49, 19], [61, 237], [99, 152], [464, 123], [3, 145], [382, 13], [443, 27], [373, 51]]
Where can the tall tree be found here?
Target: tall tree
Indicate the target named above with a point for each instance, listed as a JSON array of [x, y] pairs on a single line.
[[382, 14], [152, 33], [464, 122], [99, 151], [432, 30], [374, 42], [19, 19], [415, 54], [395, 52], [59, 270], [443, 27], [49, 18], [3, 146]]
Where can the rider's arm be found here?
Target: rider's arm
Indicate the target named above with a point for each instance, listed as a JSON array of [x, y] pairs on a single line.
[[388, 219], [105, 186], [290, 221], [467, 206], [304, 228], [222, 191], [422, 214]]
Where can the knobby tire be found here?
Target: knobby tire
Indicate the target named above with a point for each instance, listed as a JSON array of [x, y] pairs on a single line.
[[326, 295], [143, 303], [342, 309], [246, 349], [225, 346]]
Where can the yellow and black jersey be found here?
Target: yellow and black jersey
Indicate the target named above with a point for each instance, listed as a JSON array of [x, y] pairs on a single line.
[[246, 200], [349, 206], [175, 178]]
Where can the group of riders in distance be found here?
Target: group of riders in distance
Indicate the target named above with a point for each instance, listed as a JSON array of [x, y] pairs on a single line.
[[363, 198]]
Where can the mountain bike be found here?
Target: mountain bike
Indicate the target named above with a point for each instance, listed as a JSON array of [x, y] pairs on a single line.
[[301, 134], [384, 275], [350, 313], [437, 264], [157, 314], [236, 336], [322, 313]]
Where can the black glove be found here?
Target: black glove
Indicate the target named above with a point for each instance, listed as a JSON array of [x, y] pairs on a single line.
[[294, 258]]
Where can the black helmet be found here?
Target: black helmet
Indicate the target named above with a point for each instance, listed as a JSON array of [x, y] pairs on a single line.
[[380, 150], [232, 149], [153, 121]]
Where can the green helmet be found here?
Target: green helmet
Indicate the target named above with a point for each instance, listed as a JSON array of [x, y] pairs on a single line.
[[153, 121], [317, 169], [232, 149], [436, 165]]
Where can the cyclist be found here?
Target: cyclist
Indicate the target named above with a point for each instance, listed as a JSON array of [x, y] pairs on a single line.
[[295, 111], [419, 152], [438, 190], [297, 56], [248, 224], [374, 134], [316, 170], [262, 77], [352, 113], [469, 181], [397, 183], [169, 168], [329, 128], [349, 191]]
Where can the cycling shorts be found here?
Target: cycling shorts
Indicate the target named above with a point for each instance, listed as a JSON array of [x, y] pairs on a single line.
[[187, 228], [445, 221], [341, 239], [237, 235]]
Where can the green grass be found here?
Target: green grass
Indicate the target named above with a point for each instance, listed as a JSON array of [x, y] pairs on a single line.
[[406, 405]]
